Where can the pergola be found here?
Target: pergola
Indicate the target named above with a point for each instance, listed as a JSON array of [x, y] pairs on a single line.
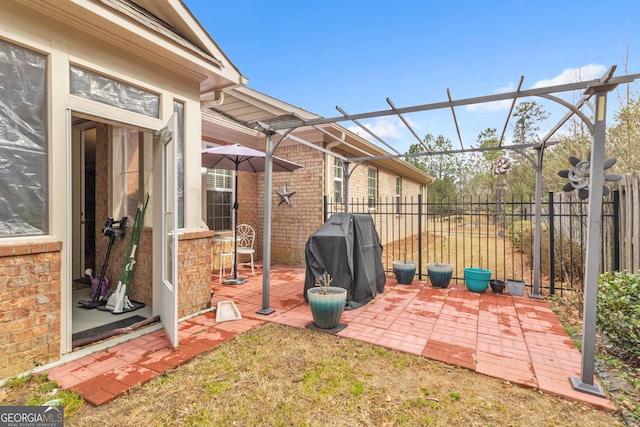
[[283, 126]]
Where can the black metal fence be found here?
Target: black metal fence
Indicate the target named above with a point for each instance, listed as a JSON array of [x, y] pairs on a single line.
[[497, 235]]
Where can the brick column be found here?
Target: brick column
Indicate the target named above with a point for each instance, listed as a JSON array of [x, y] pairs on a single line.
[[30, 295], [194, 272]]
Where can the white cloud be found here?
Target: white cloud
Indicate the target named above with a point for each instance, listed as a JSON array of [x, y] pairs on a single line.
[[496, 105], [568, 75], [573, 75], [385, 128]]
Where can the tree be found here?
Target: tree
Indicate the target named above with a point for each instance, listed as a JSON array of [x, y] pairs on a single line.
[[442, 166], [528, 115], [484, 180], [623, 137]]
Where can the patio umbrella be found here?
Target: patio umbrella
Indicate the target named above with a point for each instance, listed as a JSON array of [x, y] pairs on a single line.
[[240, 158]]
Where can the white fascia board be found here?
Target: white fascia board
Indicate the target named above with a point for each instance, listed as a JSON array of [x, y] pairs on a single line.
[[123, 31], [269, 103]]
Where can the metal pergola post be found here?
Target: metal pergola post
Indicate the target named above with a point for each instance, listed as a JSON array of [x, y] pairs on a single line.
[[266, 252], [345, 184], [537, 233], [586, 382]]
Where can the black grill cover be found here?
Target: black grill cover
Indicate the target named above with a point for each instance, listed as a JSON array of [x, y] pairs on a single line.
[[347, 247]]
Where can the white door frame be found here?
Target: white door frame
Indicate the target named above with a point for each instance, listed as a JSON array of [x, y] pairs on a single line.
[[168, 192]]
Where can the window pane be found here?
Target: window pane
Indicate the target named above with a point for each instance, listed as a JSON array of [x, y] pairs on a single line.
[[337, 168], [219, 192], [398, 195], [99, 88], [178, 110], [219, 210], [131, 171], [23, 142], [337, 180], [372, 187], [219, 179], [337, 192]]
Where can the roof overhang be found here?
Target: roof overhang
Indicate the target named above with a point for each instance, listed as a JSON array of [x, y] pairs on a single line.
[[239, 114], [163, 32]]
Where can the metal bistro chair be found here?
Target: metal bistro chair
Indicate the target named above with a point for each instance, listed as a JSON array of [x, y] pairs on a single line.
[[246, 236]]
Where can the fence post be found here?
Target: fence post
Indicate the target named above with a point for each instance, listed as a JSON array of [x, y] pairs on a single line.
[[419, 236], [325, 201], [552, 246], [616, 230]]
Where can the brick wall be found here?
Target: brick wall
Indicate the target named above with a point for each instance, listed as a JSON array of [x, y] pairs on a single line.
[[194, 272], [292, 225], [248, 197], [358, 193], [29, 305]]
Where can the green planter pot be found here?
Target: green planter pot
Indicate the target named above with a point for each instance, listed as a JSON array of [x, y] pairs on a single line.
[[477, 279], [404, 271], [327, 309], [439, 274]]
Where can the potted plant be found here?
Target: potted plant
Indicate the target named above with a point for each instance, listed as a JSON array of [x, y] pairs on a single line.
[[439, 274], [326, 302], [404, 271]]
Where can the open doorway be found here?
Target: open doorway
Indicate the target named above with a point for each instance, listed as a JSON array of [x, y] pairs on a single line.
[[84, 176], [110, 174]]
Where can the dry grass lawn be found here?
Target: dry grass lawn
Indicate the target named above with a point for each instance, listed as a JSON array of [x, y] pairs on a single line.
[[276, 375]]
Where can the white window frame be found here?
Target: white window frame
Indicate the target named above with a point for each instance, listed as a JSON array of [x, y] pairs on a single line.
[[398, 195], [338, 174], [226, 175], [372, 186]]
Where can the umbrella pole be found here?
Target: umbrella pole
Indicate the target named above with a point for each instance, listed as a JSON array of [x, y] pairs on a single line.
[[235, 228], [235, 280]]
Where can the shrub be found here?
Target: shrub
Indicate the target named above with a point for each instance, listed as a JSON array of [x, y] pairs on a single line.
[[568, 256], [518, 231], [619, 310], [521, 233]]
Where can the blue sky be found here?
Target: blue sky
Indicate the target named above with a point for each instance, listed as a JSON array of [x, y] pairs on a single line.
[[355, 54]]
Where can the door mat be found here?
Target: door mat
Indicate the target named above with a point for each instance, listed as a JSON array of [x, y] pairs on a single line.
[[227, 310], [99, 330]]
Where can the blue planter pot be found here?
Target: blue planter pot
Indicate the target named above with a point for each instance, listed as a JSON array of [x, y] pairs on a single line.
[[439, 274], [404, 271], [327, 309], [477, 279]]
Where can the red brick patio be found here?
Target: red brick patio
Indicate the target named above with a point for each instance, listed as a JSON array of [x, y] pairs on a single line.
[[513, 338]]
